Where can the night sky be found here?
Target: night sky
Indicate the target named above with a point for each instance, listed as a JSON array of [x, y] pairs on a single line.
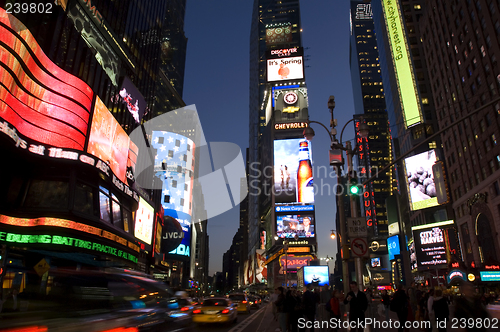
[[217, 82]]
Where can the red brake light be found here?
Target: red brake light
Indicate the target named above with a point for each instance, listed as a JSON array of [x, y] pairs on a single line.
[[225, 311], [27, 329], [243, 301], [123, 329], [184, 308], [197, 311]]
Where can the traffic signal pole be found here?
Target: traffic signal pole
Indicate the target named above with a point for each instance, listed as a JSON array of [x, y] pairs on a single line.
[[358, 264]]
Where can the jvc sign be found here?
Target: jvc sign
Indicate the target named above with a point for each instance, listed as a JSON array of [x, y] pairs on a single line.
[[356, 227]]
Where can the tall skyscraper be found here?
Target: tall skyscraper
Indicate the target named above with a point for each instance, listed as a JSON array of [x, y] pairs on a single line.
[[376, 151], [278, 115], [462, 47]]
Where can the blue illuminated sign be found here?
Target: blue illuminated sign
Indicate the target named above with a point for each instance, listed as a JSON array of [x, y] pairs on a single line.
[[316, 275], [490, 275], [393, 246], [297, 208]]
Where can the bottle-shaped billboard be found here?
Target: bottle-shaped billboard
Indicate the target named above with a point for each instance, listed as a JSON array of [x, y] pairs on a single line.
[[305, 189]]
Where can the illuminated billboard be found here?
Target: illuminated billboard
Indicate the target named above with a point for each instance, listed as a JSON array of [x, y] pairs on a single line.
[[144, 218], [403, 67], [375, 262], [285, 64], [293, 177], [316, 275], [431, 243], [261, 267], [489, 275], [281, 34], [174, 165], [132, 99], [84, 21], [293, 262], [289, 226], [420, 180], [42, 102], [108, 141], [393, 246], [290, 107]]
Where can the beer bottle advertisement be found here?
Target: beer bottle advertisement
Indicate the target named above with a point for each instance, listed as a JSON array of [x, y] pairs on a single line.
[[293, 178]]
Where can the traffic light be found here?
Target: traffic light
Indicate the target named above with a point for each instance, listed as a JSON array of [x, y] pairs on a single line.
[[353, 187]]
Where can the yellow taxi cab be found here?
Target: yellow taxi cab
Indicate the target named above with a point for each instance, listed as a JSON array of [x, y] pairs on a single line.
[[242, 300], [216, 310]]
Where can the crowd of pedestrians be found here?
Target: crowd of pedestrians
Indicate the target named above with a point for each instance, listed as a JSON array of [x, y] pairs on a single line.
[[409, 304]]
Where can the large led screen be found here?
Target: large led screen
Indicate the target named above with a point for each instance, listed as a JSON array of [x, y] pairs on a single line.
[[420, 180], [174, 165], [144, 218], [284, 69], [393, 246], [316, 275], [279, 35], [108, 141], [132, 99], [83, 22], [403, 68], [293, 177], [289, 226], [39, 99], [489, 276], [431, 242]]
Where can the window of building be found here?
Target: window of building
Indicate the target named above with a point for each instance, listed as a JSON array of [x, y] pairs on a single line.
[[484, 172], [492, 167], [84, 199], [47, 194], [478, 179], [488, 41], [482, 123], [493, 139], [487, 145]]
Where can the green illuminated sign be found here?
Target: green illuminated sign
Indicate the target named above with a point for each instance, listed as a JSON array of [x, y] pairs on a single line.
[[427, 203], [65, 241], [408, 94]]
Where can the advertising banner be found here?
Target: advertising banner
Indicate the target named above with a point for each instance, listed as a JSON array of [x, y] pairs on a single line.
[[293, 177], [293, 262], [290, 108], [420, 180], [393, 246], [91, 34], [174, 165], [261, 268], [316, 275], [132, 98], [108, 141], [285, 64], [144, 218], [292, 225], [44, 103], [431, 243], [249, 270], [403, 67], [278, 35]]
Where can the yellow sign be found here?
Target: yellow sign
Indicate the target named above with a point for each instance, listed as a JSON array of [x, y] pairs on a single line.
[[41, 267], [298, 249], [408, 93], [291, 109]]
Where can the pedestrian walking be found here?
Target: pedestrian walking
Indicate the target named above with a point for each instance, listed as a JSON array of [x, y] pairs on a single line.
[[296, 312], [386, 302], [324, 297], [441, 310], [309, 300], [468, 306], [273, 298], [357, 306], [281, 310], [333, 306], [400, 304], [430, 310]]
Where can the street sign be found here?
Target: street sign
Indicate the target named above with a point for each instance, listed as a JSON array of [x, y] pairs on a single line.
[[359, 247], [356, 227], [41, 267]]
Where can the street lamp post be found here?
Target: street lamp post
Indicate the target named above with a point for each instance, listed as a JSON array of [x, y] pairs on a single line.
[[335, 145]]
